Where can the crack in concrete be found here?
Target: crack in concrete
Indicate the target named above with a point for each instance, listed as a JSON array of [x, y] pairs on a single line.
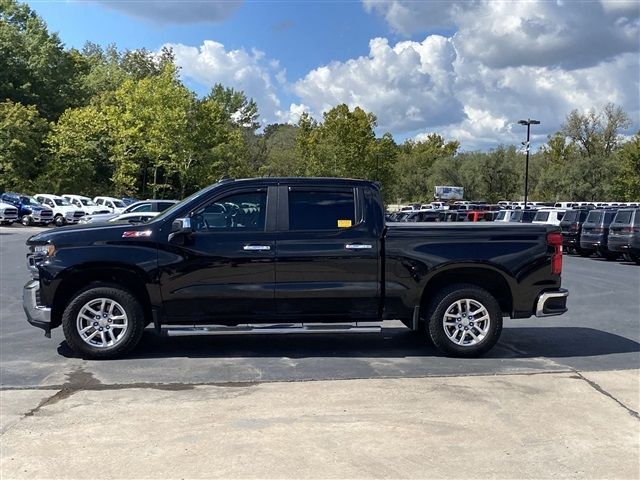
[[602, 391]]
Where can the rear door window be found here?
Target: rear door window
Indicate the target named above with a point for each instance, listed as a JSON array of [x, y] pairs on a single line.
[[321, 210], [594, 217], [624, 217], [541, 216]]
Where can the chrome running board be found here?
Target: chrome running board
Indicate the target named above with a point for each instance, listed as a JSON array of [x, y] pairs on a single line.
[[271, 329]]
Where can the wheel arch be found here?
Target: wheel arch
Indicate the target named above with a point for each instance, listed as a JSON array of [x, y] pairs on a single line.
[[84, 277], [485, 277]]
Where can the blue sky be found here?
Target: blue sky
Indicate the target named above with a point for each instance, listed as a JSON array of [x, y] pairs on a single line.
[[466, 70]]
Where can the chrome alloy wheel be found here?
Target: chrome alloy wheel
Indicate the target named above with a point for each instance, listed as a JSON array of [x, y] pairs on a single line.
[[466, 322], [102, 322]]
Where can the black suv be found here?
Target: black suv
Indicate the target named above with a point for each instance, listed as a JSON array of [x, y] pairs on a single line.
[[624, 233], [595, 234], [571, 226]]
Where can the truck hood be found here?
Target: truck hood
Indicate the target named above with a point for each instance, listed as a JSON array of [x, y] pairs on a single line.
[[85, 234]]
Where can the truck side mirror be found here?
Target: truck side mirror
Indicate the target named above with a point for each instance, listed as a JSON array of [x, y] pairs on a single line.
[[180, 226]]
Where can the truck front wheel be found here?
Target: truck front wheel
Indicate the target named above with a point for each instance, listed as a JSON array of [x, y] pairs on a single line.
[[59, 221], [464, 320], [102, 322]]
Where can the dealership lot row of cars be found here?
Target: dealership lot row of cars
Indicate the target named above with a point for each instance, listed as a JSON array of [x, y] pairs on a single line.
[[68, 209], [607, 229]]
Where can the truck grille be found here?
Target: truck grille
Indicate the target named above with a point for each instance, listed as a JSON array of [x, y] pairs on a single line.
[[10, 213], [78, 214], [43, 215]]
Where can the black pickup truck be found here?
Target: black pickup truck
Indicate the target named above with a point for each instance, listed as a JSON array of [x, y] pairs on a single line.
[[289, 255]]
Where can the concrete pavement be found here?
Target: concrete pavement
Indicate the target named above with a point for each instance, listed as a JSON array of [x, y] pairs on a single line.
[[545, 425]]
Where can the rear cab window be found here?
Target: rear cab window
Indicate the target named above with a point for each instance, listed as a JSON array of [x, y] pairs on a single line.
[[312, 209]]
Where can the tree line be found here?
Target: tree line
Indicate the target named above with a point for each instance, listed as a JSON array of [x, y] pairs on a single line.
[[104, 121]]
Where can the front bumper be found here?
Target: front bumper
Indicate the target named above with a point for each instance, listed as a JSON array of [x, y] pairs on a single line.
[[553, 302], [37, 315]]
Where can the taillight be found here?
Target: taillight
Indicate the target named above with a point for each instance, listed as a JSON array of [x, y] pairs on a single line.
[[554, 239]]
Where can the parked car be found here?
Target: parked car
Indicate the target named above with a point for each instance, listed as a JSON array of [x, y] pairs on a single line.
[[504, 215], [138, 207], [523, 216], [422, 216], [594, 237], [134, 217], [571, 226], [8, 213], [322, 257], [63, 212], [624, 233], [86, 204], [30, 211], [550, 216], [115, 205]]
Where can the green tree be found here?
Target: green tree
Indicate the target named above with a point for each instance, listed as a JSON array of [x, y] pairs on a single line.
[[414, 168], [240, 110], [80, 146], [34, 67], [596, 133], [150, 119], [279, 143], [22, 132], [626, 180]]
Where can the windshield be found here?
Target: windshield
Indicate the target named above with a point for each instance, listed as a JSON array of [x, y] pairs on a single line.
[[87, 202], [169, 211], [501, 215], [29, 201], [62, 202]]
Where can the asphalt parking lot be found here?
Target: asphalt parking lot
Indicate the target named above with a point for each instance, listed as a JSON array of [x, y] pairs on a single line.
[[601, 331], [596, 344]]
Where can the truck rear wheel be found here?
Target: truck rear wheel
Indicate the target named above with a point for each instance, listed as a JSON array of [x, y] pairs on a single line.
[[464, 320], [103, 322]]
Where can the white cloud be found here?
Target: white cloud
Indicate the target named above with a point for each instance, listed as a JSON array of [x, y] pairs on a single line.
[[407, 86], [243, 70], [501, 62], [512, 33], [175, 11]]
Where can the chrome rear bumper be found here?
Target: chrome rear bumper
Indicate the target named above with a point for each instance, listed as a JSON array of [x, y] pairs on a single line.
[[552, 303]]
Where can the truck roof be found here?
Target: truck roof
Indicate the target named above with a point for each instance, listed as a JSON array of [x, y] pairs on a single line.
[[304, 180]]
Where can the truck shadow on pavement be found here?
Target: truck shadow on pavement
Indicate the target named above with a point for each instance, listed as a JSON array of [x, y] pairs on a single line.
[[518, 342]]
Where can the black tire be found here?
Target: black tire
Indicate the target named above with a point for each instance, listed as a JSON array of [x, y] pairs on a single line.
[[27, 221], [584, 253], [131, 336], [443, 300], [632, 257], [59, 221], [607, 255]]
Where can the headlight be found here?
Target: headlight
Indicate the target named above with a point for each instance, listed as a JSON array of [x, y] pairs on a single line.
[[44, 249]]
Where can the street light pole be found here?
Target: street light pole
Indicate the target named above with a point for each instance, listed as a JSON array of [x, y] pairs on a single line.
[[528, 123]]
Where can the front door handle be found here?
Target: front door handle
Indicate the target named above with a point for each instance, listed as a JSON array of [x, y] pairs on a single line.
[[256, 248], [358, 246]]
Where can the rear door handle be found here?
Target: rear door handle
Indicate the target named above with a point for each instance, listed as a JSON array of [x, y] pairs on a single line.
[[256, 248], [358, 246]]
